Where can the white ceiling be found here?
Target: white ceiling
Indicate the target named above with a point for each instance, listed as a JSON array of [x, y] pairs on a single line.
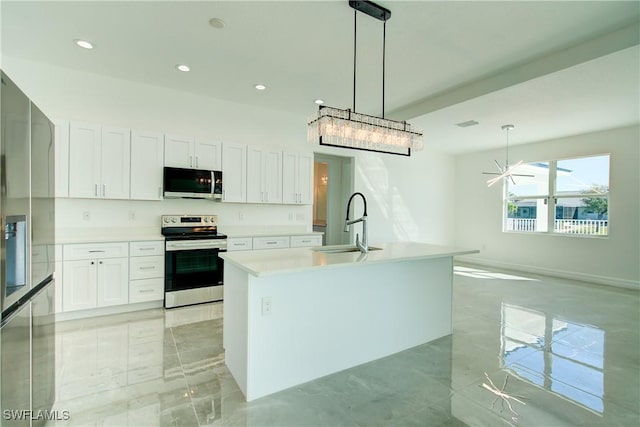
[[551, 68]]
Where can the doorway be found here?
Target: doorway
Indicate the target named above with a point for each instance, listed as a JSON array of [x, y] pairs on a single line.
[[332, 186]]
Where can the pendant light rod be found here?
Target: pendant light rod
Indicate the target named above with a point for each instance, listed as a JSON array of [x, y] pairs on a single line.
[[384, 45], [507, 128], [355, 38]]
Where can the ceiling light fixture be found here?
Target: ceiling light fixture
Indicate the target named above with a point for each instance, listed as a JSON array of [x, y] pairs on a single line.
[[319, 101], [83, 44], [184, 68], [506, 172], [346, 128], [260, 86]]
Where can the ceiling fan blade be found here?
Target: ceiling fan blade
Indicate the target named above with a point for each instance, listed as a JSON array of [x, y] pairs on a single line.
[[517, 174], [512, 180], [491, 173]]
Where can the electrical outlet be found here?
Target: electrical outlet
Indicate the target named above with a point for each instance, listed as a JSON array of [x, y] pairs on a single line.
[[266, 306], [86, 216]]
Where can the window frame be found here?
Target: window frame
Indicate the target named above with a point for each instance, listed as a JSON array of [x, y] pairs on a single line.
[[551, 200]]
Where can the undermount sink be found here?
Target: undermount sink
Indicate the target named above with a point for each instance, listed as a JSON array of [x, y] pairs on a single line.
[[341, 249]]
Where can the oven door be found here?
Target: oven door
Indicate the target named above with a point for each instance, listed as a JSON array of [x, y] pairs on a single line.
[[193, 272]]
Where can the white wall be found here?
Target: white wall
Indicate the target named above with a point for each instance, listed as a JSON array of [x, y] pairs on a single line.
[[612, 260], [409, 198]]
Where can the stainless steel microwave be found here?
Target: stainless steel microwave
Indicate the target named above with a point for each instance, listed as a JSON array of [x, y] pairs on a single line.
[[192, 184]]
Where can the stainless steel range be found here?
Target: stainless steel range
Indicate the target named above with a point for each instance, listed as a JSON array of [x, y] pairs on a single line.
[[193, 269]]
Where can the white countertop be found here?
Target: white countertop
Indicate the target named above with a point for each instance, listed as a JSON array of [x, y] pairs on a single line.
[[282, 261]]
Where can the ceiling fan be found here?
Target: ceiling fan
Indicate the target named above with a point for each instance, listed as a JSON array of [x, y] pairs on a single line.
[[506, 172]]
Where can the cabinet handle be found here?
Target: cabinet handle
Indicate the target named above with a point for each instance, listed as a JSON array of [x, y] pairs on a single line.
[[100, 262], [190, 161], [271, 243], [145, 291], [146, 249], [159, 192], [92, 262], [196, 161], [266, 196], [96, 190], [104, 190], [95, 251], [147, 268]]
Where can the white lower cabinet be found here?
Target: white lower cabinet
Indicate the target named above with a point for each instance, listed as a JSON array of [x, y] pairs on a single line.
[[239, 244], [306, 241], [275, 242], [146, 271], [91, 283], [94, 275]]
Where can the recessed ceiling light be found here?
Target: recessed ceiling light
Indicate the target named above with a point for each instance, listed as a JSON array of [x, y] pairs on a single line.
[[184, 68], [216, 23], [83, 44], [319, 101], [260, 86]]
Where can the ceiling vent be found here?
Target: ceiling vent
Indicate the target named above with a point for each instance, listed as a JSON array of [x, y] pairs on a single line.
[[467, 124]]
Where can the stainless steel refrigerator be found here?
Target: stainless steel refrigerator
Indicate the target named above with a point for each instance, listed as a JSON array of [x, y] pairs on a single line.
[[27, 291]]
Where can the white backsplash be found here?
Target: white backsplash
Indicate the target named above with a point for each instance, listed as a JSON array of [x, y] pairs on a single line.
[[83, 214]]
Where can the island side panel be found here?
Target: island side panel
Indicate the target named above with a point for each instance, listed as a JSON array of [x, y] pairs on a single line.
[[235, 323], [325, 320]]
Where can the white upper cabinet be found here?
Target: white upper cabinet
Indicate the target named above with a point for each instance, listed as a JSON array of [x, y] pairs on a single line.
[[178, 151], [84, 159], [264, 175], [98, 161], [234, 172], [208, 154], [61, 158], [192, 153], [297, 180], [147, 160], [115, 162]]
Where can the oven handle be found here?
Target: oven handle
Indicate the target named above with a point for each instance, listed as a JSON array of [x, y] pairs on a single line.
[[193, 245]]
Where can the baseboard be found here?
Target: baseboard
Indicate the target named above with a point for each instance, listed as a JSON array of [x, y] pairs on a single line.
[[591, 278], [105, 311]]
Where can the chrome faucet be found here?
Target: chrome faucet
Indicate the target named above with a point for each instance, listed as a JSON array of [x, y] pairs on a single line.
[[363, 246]]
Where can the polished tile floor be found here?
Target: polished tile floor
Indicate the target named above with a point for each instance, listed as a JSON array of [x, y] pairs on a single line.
[[525, 350]]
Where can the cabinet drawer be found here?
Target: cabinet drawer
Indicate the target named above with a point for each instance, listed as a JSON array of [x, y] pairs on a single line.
[[146, 267], [303, 241], [148, 248], [146, 290], [239, 244], [271, 242], [95, 251]]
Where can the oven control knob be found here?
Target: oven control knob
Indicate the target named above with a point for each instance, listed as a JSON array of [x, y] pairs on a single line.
[[165, 220], [206, 220], [173, 220]]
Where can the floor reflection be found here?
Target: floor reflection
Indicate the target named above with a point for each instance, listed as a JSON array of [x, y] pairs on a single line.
[[571, 359], [568, 351]]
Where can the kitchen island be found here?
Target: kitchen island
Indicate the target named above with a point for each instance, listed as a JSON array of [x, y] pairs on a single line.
[[294, 315]]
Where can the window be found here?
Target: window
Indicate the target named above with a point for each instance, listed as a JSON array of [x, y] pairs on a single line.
[[568, 196]]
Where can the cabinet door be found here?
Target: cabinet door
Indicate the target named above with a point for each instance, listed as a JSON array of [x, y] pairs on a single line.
[[289, 174], [147, 160], [178, 151], [208, 154], [305, 178], [62, 158], [255, 175], [84, 160], [234, 172], [113, 281], [272, 186], [115, 163], [79, 285]]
